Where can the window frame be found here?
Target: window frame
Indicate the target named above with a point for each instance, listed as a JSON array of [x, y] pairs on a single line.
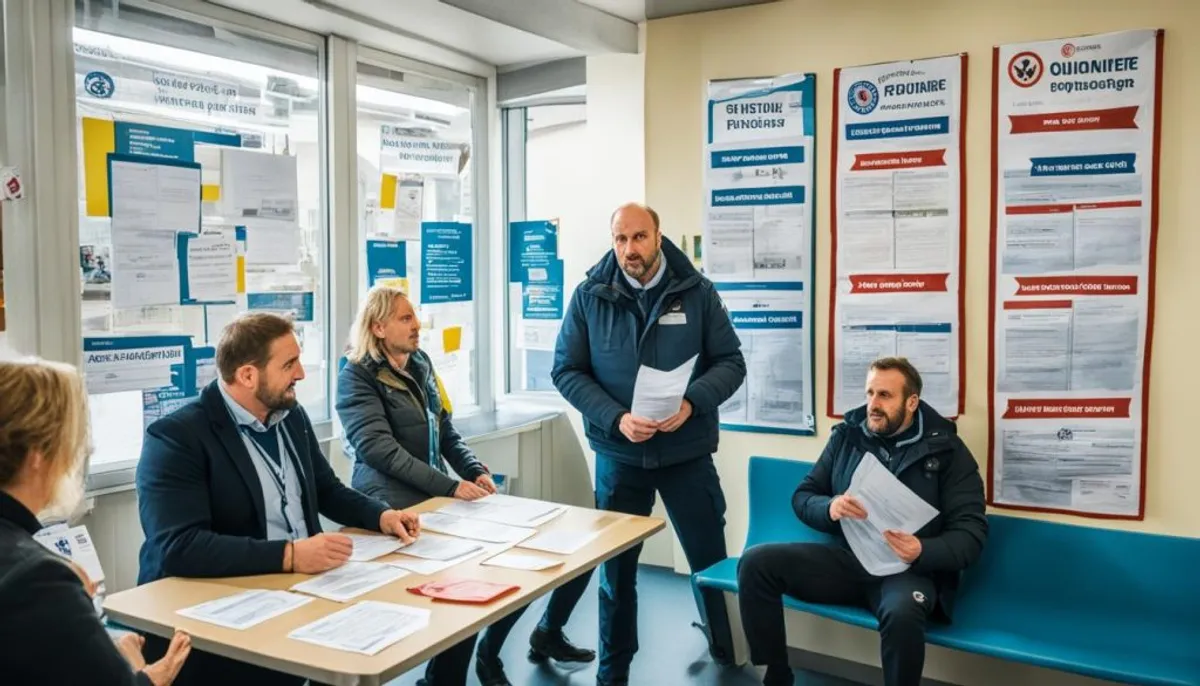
[[120, 475]]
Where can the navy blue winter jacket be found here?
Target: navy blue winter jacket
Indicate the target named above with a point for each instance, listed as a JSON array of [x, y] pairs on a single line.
[[599, 351]]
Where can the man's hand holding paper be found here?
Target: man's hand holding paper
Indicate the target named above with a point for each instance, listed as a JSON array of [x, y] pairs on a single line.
[[879, 516]]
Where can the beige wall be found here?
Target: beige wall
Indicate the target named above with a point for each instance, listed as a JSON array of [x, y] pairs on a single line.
[[819, 35]]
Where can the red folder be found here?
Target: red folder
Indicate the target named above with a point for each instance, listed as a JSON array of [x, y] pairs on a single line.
[[464, 590]]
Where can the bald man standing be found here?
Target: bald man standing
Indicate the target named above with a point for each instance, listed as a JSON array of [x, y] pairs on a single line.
[[645, 303]]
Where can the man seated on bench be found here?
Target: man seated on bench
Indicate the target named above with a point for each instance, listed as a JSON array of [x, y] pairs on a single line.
[[921, 448]]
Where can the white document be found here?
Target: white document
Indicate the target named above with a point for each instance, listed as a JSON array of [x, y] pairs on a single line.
[[145, 268], [246, 609], [155, 197], [729, 244], [1039, 243], [113, 371], [1104, 344], [274, 242], [532, 563], [866, 242], [441, 548], [657, 395], [924, 240], [431, 567], [474, 529], [256, 184], [212, 267], [1108, 237], [505, 509], [1036, 345], [350, 581], [216, 318], [368, 547], [367, 627], [76, 545], [410, 204], [890, 505], [560, 541]]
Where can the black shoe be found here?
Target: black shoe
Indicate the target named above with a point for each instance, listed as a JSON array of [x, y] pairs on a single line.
[[491, 672], [544, 645]]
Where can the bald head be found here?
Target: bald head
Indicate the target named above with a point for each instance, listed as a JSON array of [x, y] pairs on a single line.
[[637, 240]]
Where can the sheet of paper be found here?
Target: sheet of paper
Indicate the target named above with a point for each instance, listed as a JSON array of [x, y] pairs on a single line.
[[112, 365], [532, 563], [368, 547], [350, 581], [441, 548], [256, 184], [246, 609], [145, 268], [410, 204], [658, 394], [560, 541], [212, 267], [505, 509], [273, 242], [890, 505], [367, 627], [155, 197], [430, 567], [474, 529], [216, 318], [75, 544]]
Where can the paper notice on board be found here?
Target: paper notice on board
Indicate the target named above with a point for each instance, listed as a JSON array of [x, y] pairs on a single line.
[[212, 267], [410, 204], [258, 185], [272, 242], [155, 197], [116, 364], [145, 268]]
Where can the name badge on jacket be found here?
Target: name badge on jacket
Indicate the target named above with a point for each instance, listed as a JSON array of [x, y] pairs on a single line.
[[672, 318]]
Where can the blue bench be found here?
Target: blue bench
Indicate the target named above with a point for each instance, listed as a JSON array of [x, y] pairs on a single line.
[[1114, 605]]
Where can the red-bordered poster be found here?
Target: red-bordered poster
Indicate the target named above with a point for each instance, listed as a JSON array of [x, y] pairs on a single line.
[[1075, 140], [899, 226]]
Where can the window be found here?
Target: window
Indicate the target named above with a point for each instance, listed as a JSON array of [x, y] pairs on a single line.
[[237, 117], [548, 183], [418, 226]]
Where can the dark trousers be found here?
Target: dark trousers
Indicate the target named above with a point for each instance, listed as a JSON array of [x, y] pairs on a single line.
[[562, 603], [450, 667], [831, 575], [691, 492]]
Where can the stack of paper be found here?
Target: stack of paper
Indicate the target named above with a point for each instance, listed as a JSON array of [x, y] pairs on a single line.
[[474, 529], [505, 509], [430, 567], [658, 395], [350, 581], [368, 547], [441, 548], [367, 627], [244, 610], [890, 505]]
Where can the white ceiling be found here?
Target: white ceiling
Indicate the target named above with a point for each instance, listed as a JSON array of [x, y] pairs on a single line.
[[631, 10], [456, 32]]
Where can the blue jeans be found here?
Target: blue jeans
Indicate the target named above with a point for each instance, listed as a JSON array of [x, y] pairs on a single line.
[[691, 492], [562, 603]]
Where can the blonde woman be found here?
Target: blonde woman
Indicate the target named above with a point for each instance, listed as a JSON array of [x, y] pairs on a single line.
[[399, 433], [49, 628]]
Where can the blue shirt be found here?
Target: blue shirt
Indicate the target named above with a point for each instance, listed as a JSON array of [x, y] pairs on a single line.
[[271, 473]]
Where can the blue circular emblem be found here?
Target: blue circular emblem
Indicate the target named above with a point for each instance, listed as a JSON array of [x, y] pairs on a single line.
[[98, 84], [863, 96]]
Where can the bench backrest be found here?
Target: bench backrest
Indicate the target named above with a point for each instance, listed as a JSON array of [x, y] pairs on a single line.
[[772, 483], [1118, 575], [1122, 576]]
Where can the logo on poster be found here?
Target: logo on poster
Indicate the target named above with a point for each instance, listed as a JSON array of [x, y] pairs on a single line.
[[99, 85], [1025, 69], [863, 96], [1068, 49]]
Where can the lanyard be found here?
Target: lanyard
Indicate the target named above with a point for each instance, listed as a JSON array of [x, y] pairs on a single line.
[[278, 474]]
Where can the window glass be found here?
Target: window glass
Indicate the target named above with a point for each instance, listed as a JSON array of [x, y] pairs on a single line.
[[556, 180], [416, 216], [234, 119]]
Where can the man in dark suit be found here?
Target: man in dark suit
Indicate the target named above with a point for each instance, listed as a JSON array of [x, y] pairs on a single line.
[[233, 483]]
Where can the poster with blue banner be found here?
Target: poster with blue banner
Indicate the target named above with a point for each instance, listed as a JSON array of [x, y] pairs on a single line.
[[446, 255], [542, 292], [532, 244], [759, 242], [297, 305], [386, 260], [898, 227]]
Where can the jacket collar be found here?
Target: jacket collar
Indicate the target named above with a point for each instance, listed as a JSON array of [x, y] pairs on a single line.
[[243, 417], [12, 510], [226, 431], [679, 273]]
